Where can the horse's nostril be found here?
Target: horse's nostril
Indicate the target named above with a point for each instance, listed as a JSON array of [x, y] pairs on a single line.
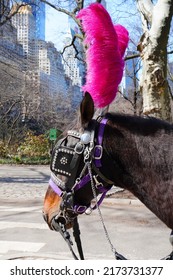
[[60, 220], [57, 222]]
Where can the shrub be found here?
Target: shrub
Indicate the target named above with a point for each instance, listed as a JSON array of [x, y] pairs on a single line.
[[3, 150], [34, 146]]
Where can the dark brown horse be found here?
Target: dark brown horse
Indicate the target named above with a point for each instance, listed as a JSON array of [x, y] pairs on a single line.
[[137, 155]]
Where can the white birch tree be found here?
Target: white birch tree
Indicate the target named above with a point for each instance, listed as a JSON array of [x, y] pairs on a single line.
[[156, 21]]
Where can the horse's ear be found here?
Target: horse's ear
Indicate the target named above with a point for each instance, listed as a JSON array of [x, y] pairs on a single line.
[[86, 109]]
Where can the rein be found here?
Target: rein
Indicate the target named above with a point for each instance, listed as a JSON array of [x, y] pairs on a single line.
[[65, 234]]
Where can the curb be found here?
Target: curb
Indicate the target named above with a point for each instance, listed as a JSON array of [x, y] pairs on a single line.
[[123, 201]]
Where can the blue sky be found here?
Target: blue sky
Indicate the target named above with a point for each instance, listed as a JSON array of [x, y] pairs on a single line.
[[56, 27], [57, 23]]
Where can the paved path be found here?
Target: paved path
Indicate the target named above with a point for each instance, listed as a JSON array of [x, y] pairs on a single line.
[[23, 181], [133, 229]]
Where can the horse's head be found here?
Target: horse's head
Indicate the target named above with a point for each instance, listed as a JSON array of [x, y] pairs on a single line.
[[70, 187]]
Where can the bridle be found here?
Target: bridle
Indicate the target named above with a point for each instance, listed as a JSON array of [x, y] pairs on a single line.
[[66, 161]]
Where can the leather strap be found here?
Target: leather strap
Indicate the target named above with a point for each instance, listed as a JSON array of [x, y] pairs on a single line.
[[98, 150]]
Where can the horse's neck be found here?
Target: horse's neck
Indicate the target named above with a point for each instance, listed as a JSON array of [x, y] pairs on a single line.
[[139, 164]]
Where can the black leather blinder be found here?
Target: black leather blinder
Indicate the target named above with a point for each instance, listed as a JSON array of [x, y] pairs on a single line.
[[66, 155]]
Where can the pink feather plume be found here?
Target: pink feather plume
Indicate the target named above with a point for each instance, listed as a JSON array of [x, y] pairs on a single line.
[[123, 38], [104, 56]]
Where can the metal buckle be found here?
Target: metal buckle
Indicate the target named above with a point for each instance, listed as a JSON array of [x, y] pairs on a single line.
[[97, 183], [80, 209], [79, 148], [98, 152]]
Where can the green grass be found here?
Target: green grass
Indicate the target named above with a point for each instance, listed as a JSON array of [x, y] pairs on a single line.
[[25, 160]]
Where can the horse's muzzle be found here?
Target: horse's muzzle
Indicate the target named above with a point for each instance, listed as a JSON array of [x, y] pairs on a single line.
[[45, 217]]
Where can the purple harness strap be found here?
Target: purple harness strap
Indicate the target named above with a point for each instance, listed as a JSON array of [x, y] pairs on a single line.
[[79, 208], [82, 182], [102, 189], [98, 151], [55, 187]]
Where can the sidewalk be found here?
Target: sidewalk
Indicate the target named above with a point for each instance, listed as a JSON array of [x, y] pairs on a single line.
[[23, 181]]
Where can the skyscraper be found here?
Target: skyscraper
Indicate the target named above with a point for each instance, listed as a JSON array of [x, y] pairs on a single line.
[[25, 24], [71, 64], [38, 11]]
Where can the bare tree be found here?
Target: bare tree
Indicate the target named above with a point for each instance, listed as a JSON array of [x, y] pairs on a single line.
[[8, 8], [11, 101]]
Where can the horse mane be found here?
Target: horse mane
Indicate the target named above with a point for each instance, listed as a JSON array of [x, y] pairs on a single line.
[[104, 56], [139, 125]]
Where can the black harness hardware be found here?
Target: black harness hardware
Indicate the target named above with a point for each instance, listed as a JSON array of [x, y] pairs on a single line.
[[67, 202], [65, 159]]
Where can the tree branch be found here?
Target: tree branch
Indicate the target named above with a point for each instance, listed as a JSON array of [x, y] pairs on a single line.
[[72, 44], [10, 108], [131, 56], [14, 10], [80, 5], [126, 98], [138, 55], [59, 9], [145, 7]]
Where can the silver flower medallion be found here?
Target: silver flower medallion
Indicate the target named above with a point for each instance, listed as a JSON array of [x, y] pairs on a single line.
[[63, 160]]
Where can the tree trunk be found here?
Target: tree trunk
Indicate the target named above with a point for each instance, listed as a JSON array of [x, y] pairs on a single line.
[[156, 20], [153, 84]]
